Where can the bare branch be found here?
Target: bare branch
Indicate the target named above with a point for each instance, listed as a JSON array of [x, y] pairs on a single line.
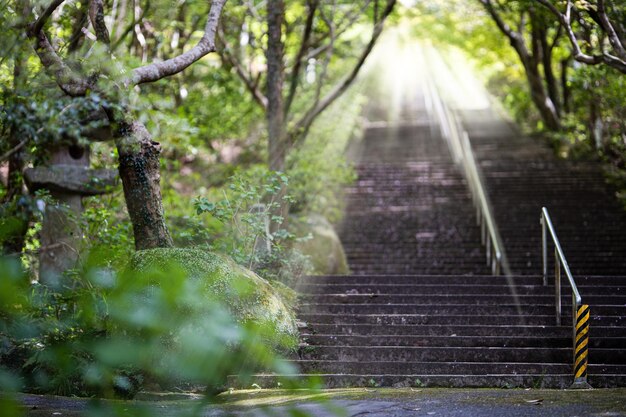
[[347, 21], [13, 150], [578, 54], [304, 45], [317, 51], [131, 26], [329, 21], [206, 45], [252, 86], [614, 39], [502, 25], [305, 122], [68, 80]]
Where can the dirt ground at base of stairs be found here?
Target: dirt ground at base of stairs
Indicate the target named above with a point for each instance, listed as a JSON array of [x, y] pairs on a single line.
[[355, 402]]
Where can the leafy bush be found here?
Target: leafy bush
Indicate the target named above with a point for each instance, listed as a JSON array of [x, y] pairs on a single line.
[[245, 215], [116, 332]]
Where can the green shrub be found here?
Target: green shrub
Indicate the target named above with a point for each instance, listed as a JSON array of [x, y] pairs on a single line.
[[114, 332]]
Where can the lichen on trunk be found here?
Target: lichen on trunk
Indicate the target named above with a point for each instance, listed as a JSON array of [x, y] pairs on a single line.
[[139, 169]]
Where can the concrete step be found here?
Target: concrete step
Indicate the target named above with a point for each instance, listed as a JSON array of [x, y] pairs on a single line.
[[536, 279], [381, 311], [458, 354], [474, 299], [461, 341], [454, 368], [465, 289], [459, 330], [449, 319]]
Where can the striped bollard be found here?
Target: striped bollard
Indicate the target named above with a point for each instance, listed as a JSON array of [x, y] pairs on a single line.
[[581, 348]]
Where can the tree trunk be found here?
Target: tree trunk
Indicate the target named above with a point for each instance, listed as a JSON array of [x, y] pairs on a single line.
[[277, 145], [544, 104], [564, 86], [275, 78], [139, 170], [530, 61], [546, 59]]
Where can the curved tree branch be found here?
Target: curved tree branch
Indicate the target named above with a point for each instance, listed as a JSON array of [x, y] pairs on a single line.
[[617, 62], [304, 45], [206, 45], [614, 39], [13, 150], [71, 84], [38, 25]]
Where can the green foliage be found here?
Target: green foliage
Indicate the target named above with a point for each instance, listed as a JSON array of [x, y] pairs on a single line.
[[41, 122], [105, 224], [15, 216], [318, 170], [115, 332], [245, 212]]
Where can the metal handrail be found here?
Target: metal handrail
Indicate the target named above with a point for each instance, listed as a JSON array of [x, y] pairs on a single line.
[[559, 259], [580, 311], [461, 150]]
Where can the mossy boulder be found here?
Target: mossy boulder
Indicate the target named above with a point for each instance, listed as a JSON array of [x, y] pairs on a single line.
[[249, 297], [324, 248]]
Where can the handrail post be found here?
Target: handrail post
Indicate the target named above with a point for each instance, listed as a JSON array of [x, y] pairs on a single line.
[[580, 312], [498, 264], [580, 325], [557, 286], [483, 231], [544, 248]]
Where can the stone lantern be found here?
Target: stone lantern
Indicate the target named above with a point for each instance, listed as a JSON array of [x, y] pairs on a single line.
[[68, 178]]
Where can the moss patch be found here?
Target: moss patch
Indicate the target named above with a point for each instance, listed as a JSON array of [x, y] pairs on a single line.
[[249, 297]]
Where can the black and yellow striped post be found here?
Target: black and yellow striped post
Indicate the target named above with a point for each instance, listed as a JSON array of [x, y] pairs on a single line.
[[581, 347]]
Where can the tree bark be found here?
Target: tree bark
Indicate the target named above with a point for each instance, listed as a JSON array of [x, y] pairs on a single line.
[[139, 170], [564, 85], [548, 71], [277, 145], [542, 101], [275, 78]]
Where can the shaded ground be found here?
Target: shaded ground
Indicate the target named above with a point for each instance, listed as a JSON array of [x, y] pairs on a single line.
[[366, 402]]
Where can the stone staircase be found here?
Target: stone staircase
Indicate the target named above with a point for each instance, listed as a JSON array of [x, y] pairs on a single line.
[[522, 175], [454, 331], [420, 308], [410, 209]]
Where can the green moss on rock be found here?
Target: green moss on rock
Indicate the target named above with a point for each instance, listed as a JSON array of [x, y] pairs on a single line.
[[249, 297]]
